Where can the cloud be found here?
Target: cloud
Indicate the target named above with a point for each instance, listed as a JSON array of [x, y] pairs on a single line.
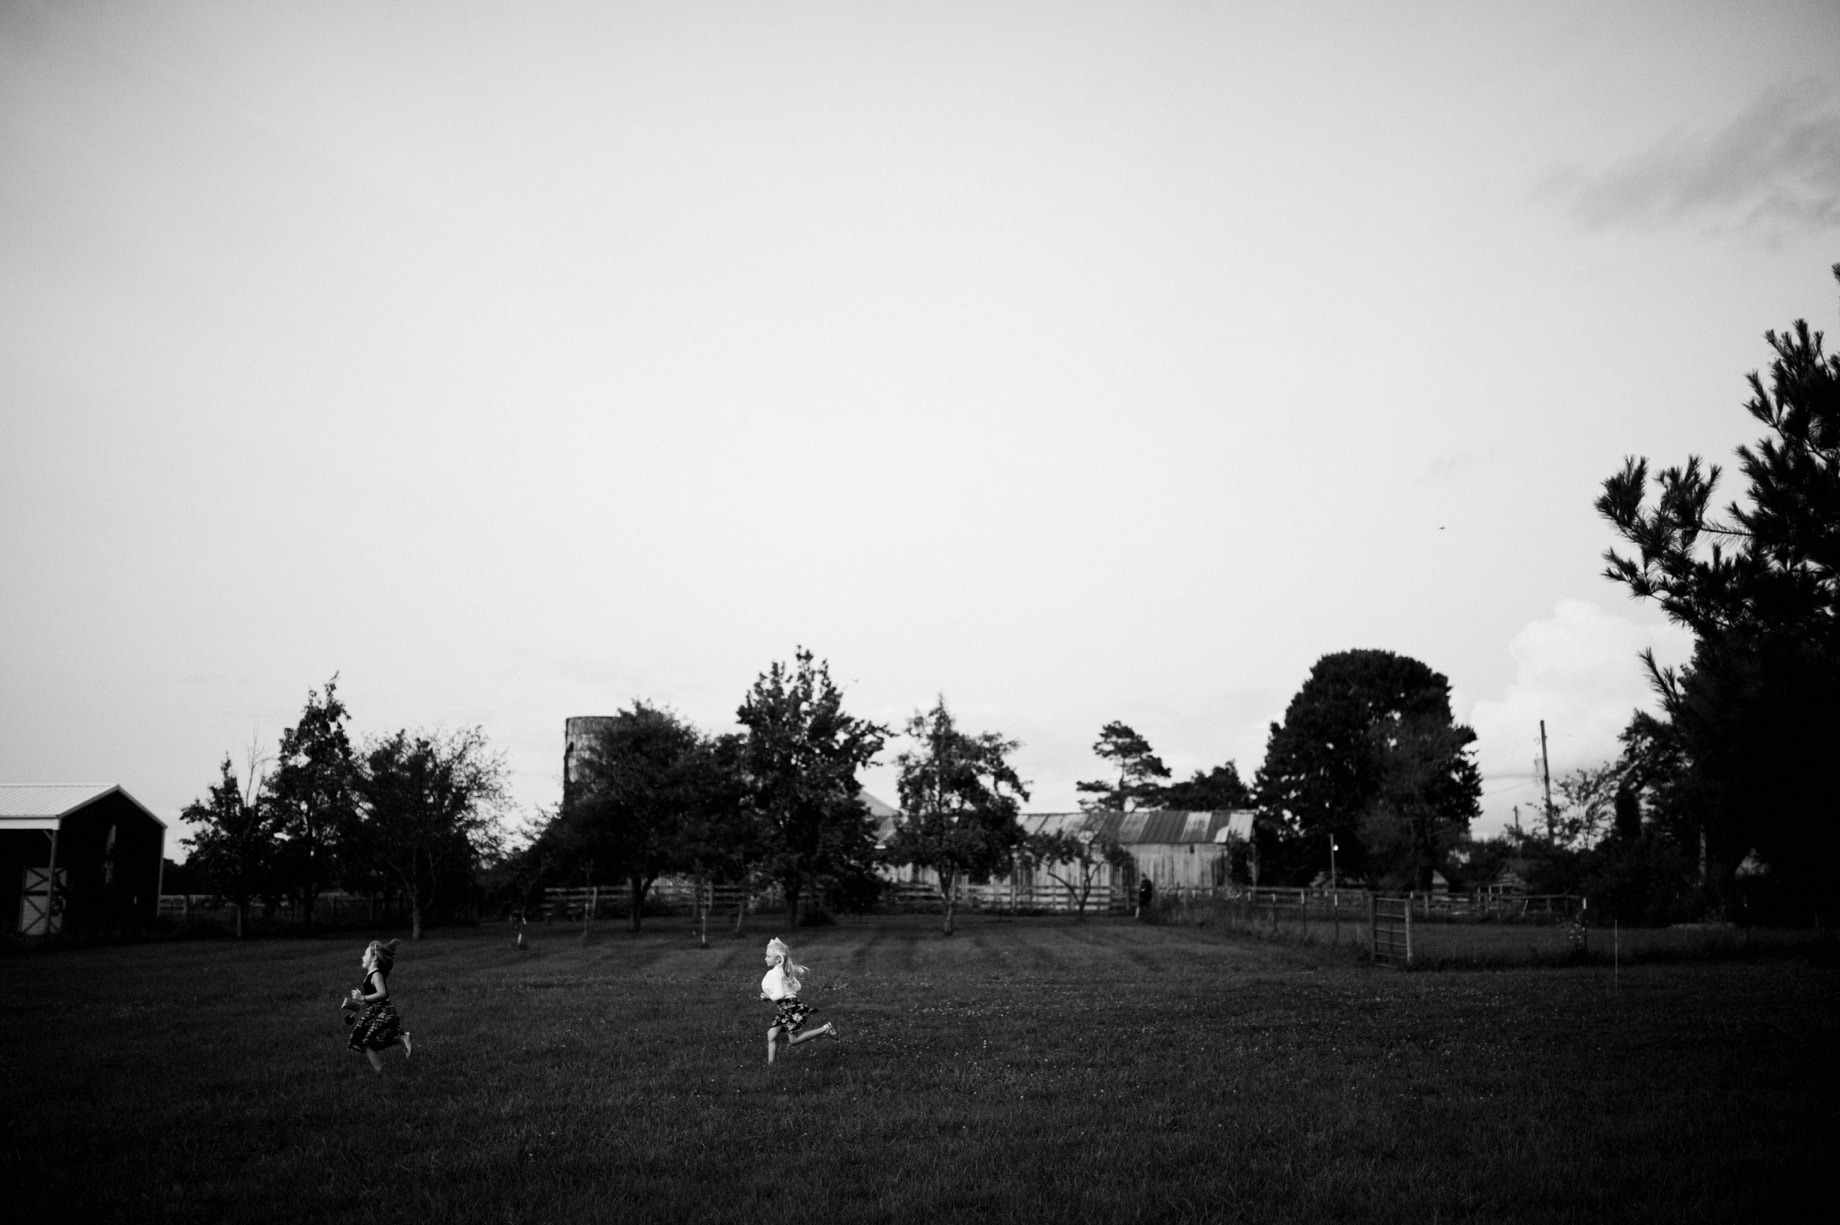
[[1579, 671], [1775, 169]]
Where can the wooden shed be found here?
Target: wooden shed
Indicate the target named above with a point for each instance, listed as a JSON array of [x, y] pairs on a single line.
[[77, 859]]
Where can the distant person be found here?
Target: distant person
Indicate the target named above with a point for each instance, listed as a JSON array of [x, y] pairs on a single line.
[[517, 930], [781, 987], [377, 1027], [1146, 894]]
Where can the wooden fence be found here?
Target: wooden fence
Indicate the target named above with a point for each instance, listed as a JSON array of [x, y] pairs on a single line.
[[334, 909], [680, 895]]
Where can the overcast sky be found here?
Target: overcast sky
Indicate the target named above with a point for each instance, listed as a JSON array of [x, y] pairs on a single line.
[[1076, 362]]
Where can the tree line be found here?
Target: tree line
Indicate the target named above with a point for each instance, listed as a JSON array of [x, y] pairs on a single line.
[[410, 817], [1723, 803]]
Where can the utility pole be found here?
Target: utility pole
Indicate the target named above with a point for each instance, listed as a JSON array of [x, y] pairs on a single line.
[[1546, 774]]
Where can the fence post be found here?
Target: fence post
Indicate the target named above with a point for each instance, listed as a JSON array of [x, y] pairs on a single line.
[[1373, 952], [1408, 931]]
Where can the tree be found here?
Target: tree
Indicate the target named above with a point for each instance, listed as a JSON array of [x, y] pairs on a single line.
[[716, 837], [801, 760], [1426, 795], [960, 798], [312, 791], [1074, 861], [1140, 772], [1370, 732], [233, 852], [431, 808], [1584, 811], [638, 785], [1752, 718], [1214, 790]]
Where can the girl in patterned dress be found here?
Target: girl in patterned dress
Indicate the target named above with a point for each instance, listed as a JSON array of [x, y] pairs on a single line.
[[781, 987], [377, 1027]]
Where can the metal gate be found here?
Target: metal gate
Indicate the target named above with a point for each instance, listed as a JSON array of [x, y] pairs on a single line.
[[1389, 930]]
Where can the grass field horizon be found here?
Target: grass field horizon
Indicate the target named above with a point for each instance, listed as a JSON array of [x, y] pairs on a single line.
[[1024, 1069]]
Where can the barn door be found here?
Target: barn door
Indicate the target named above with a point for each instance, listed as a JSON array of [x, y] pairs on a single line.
[[41, 910]]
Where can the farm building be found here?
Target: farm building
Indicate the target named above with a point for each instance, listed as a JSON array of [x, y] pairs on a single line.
[[102, 846], [1510, 881], [1176, 851]]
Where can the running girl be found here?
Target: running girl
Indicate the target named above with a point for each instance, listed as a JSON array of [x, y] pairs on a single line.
[[377, 1027], [781, 987]]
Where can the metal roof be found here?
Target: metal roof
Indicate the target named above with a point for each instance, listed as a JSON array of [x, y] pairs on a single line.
[[43, 805], [1146, 826]]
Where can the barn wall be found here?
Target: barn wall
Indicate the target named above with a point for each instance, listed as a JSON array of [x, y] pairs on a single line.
[[1194, 865], [109, 892]]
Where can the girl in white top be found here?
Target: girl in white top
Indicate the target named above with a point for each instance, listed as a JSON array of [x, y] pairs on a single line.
[[781, 987]]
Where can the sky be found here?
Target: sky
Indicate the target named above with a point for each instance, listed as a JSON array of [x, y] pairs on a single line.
[[1073, 362]]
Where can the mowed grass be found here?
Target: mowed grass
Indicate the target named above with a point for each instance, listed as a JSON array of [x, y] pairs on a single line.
[[1024, 1070], [1444, 944]]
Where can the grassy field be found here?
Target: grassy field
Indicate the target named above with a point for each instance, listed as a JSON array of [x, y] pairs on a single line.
[[1025, 1070], [1444, 943]]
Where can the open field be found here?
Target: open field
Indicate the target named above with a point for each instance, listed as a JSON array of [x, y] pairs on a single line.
[[1029, 1070]]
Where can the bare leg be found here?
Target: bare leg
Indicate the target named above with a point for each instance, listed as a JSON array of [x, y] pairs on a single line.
[[826, 1028], [772, 1038], [376, 1058], [408, 1047]]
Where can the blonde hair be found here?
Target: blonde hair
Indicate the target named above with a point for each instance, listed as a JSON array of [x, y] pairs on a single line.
[[778, 948], [385, 954]]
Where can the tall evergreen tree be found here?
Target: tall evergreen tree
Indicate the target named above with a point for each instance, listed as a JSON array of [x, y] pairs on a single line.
[[1753, 717], [1140, 772]]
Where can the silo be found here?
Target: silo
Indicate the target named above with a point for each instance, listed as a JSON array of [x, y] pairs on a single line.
[[580, 734]]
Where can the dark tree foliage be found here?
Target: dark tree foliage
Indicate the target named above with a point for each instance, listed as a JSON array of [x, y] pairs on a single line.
[[801, 759], [430, 808], [1368, 740], [312, 794], [716, 840], [233, 851], [1214, 790], [960, 798], [1428, 792], [638, 788], [1140, 772], [1749, 724]]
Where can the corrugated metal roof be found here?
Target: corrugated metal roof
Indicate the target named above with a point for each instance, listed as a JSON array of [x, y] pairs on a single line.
[[1145, 827], [43, 805]]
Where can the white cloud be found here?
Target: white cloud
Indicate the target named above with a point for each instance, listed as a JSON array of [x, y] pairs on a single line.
[[1579, 671], [1774, 169]]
